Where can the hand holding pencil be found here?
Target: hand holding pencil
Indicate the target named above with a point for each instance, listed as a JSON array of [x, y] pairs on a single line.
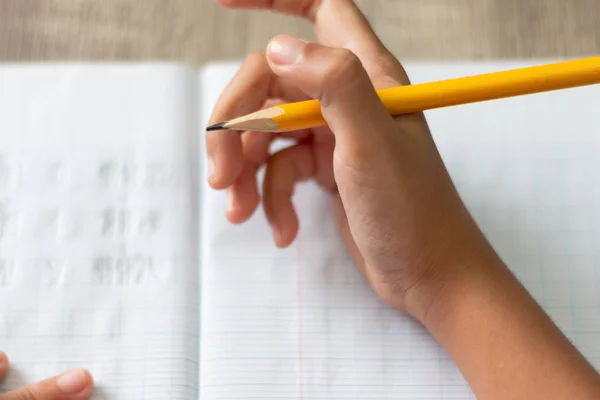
[[399, 215], [426, 96], [389, 186]]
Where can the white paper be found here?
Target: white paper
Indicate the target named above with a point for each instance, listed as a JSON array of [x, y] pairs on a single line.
[[301, 322], [98, 226], [99, 177]]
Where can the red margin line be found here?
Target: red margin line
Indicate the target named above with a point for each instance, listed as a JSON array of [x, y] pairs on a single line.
[[299, 291]]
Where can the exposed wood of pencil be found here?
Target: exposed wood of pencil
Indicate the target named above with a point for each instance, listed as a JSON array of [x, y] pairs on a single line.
[[427, 96]]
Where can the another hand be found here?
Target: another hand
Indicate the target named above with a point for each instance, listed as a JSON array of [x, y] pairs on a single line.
[[398, 211], [73, 385]]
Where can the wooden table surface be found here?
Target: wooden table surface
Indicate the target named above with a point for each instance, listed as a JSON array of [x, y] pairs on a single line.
[[196, 31]]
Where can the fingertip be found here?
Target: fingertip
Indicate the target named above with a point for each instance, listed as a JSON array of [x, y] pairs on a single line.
[[77, 383], [216, 181], [277, 235], [3, 364], [3, 358], [284, 169], [243, 197], [215, 184], [237, 217], [211, 168], [223, 173], [243, 3], [226, 3], [89, 376], [284, 236], [284, 50], [224, 158], [89, 384], [235, 212], [231, 210], [281, 216], [214, 175], [284, 225]]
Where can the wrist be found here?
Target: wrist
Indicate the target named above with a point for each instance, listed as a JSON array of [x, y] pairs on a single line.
[[437, 292], [498, 336]]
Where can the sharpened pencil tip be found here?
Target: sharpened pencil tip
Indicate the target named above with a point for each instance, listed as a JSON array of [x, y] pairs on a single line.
[[216, 127]]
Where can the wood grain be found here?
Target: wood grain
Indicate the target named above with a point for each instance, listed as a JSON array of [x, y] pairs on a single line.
[[197, 31]]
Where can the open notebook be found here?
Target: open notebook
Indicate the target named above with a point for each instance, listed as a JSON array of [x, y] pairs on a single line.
[[116, 256]]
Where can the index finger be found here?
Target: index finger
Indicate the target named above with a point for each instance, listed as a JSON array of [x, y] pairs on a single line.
[[224, 148], [247, 92], [341, 24]]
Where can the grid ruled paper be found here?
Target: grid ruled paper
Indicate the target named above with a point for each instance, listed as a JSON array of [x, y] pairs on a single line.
[[98, 227], [301, 323]]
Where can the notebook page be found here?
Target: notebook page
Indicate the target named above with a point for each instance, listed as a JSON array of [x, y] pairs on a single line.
[[301, 323], [98, 211]]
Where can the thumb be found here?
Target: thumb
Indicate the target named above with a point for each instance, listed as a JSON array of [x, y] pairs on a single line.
[[73, 385], [336, 78]]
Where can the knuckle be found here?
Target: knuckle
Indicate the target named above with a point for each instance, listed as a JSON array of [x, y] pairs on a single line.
[[382, 63], [342, 72], [28, 393], [343, 66]]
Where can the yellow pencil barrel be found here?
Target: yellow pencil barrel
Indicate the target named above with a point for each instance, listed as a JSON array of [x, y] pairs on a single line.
[[426, 96], [300, 115], [497, 85]]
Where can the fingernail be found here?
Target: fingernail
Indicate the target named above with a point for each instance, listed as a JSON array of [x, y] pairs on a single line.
[[230, 205], [276, 233], [285, 50], [72, 381], [211, 168], [3, 359]]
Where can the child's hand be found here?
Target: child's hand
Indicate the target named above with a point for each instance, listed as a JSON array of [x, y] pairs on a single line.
[[400, 216], [398, 211]]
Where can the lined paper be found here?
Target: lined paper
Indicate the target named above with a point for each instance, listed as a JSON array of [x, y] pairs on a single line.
[[301, 323], [98, 227], [100, 209]]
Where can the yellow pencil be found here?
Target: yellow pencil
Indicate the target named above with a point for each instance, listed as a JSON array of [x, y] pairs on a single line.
[[426, 96]]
